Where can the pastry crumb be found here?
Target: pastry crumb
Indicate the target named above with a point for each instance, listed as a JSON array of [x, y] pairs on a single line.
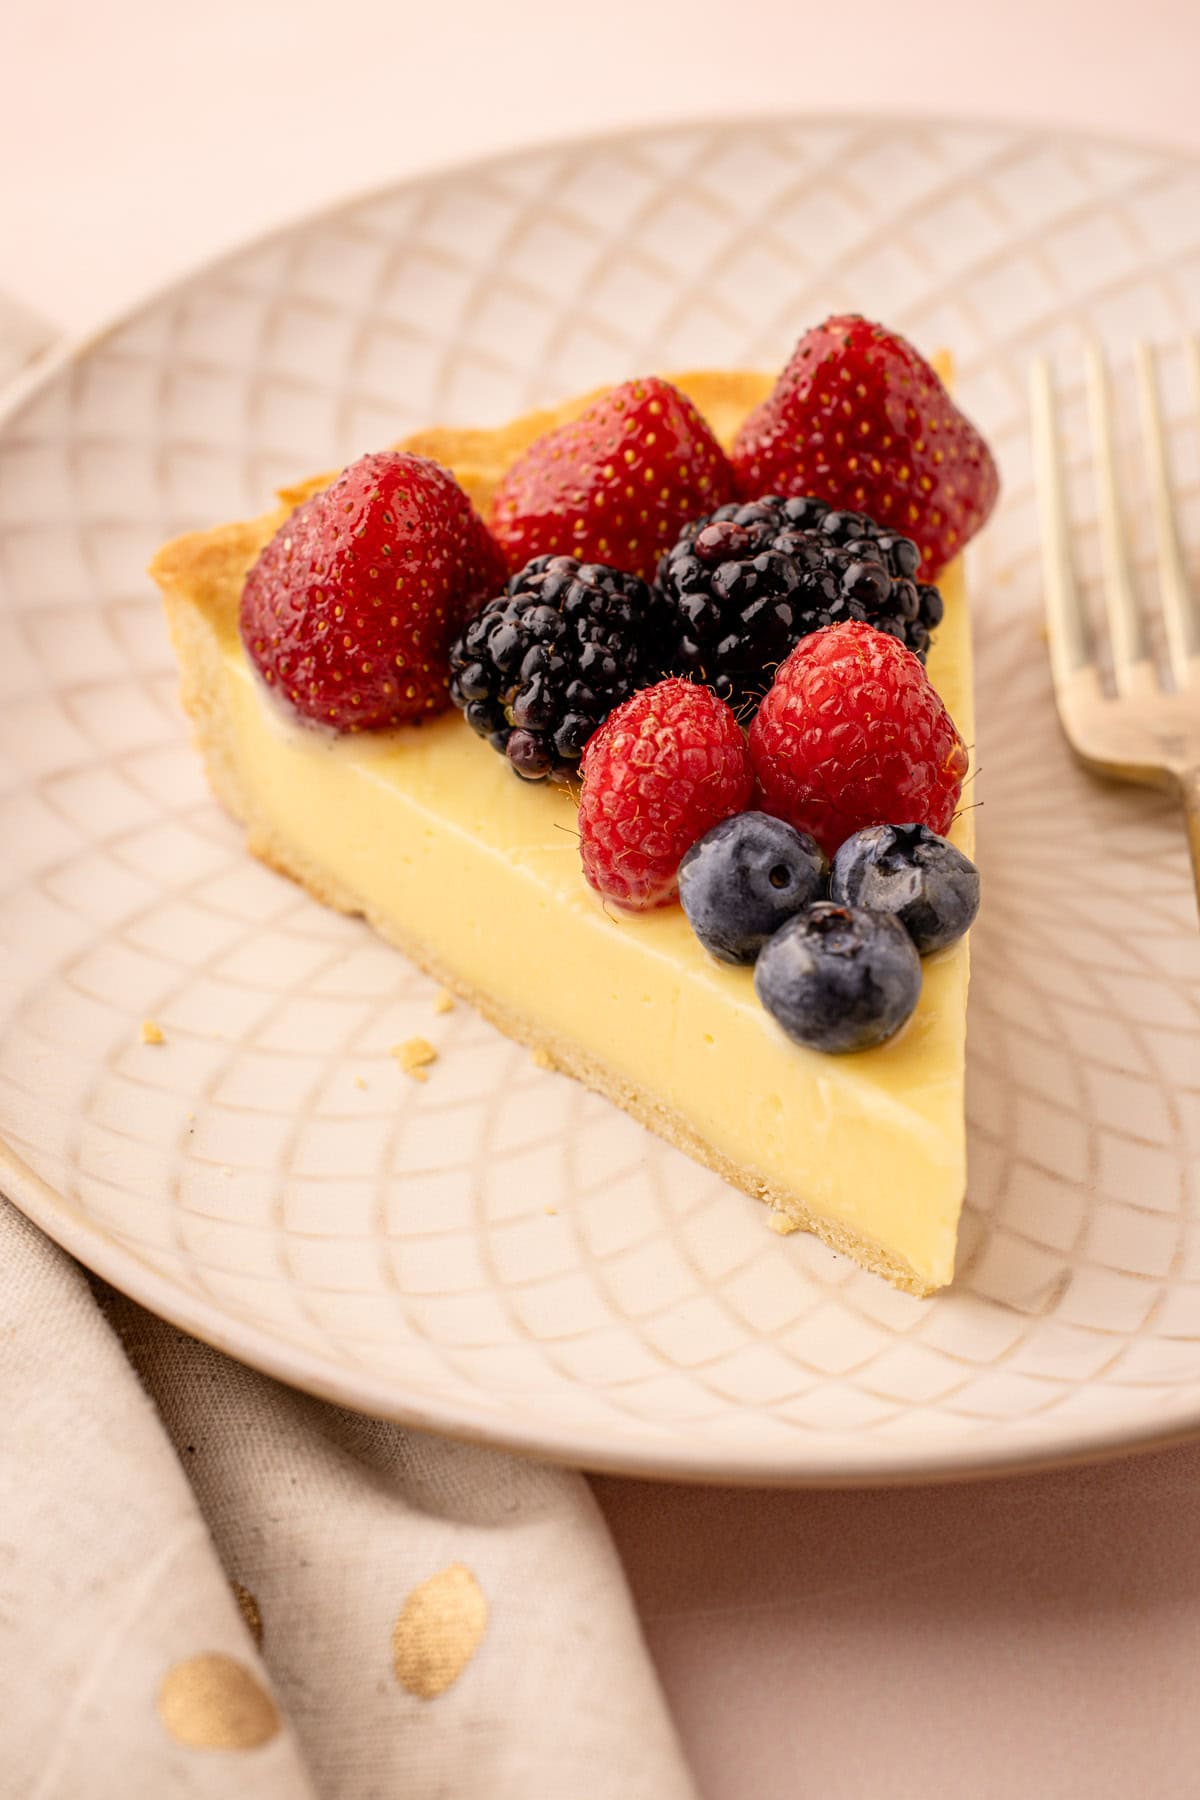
[[414, 1056], [443, 1001], [359, 1082], [551, 1212], [152, 1033], [542, 1059], [780, 1224]]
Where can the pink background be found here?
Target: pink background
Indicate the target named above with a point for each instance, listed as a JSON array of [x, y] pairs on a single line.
[[1029, 1637], [1021, 1640]]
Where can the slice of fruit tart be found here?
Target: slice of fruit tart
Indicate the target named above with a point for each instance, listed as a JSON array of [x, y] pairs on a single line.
[[643, 726]]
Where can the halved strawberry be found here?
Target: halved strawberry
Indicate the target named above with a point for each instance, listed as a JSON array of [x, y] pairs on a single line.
[[615, 484], [859, 419], [349, 611]]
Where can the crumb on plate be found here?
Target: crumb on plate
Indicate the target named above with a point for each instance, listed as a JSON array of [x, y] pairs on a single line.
[[443, 1001], [542, 1058], [152, 1033], [414, 1056], [780, 1224]]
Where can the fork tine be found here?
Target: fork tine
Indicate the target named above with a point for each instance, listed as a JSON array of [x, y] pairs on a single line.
[[1180, 612], [1130, 651], [1070, 638]]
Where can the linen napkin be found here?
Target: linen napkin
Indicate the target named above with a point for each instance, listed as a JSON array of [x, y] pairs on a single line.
[[211, 1585]]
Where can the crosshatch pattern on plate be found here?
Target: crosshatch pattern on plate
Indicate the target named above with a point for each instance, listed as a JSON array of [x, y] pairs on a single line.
[[497, 1250]]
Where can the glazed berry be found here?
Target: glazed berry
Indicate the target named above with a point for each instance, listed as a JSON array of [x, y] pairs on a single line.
[[912, 873], [853, 733], [545, 662], [861, 419], [668, 765], [744, 585], [839, 978], [349, 611], [615, 484], [744, 878]]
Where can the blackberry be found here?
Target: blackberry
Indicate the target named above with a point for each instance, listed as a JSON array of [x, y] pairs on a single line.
[[545, 662], [744, 585]]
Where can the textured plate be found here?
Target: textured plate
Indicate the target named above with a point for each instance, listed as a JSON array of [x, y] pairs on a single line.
[[391, 1245]]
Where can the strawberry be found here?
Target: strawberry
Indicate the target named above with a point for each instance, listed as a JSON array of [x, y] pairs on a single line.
[[860, 420], [615, 484], [853, 733], [349, 611], [664, 768]]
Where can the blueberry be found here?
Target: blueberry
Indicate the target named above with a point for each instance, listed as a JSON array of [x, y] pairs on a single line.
[[744, 878], [910, 872], [839, 978]]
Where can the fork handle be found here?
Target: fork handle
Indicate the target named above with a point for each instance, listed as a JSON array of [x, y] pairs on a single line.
[[1189, 793]]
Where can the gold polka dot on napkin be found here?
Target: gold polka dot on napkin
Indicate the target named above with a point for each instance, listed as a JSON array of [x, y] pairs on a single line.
[[213, 1702], [438, 1630]]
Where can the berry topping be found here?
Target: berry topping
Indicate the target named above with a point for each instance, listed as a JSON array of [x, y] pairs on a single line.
[[744, 879], [853, 733], [669, 764], [860, 419], [839, 978], [545, 662], [615, 484], [744, 585], [912, 873], [349, 611]]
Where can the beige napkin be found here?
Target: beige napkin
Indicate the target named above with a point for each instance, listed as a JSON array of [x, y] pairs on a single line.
[[211, 1585]]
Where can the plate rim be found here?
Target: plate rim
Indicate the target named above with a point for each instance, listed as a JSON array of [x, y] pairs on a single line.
[[295, 1367], [462, 1421], [72, 346]]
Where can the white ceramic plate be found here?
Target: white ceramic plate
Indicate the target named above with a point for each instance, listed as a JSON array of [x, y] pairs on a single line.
[[390, 1245]]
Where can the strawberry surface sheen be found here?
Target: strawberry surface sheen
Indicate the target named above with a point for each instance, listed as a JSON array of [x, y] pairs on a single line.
[[614, 485], [349, 611], [669, 764], [853, 733], [860, 420]]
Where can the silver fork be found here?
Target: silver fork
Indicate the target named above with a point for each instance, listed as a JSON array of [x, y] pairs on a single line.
[[1142, 732]]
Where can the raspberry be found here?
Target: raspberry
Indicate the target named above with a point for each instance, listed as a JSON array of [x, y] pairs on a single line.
[[545, 662], [669, 764], [860, 419], [853, 733], [349, 611], [614, 485]]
